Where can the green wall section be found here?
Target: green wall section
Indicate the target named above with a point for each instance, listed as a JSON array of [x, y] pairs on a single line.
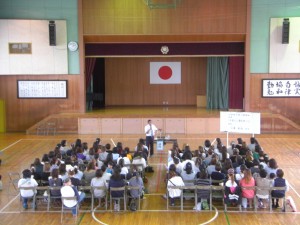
[[47, 10], [262, 12], [2, 117]]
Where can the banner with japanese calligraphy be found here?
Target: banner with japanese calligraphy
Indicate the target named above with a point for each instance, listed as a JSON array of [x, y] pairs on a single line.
[[280, 88], [42, 88], [240, 122]]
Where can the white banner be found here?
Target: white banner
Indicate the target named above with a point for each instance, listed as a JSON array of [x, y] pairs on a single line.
[[240, 122], [165, 72]]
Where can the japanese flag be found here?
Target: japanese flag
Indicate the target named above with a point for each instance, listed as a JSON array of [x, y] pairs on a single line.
[[165, 72]]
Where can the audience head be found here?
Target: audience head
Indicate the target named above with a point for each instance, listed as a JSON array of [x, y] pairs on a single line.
[[26, 173], [99, 173], [188, 168], [55, 173], [272, 175], [280, 173], [273, 163], [263, 173]]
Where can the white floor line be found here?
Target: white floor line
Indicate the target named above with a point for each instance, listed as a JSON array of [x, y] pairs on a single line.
[[9, 203], [295, 191], [212, 219], [11, 145], [95, 218]]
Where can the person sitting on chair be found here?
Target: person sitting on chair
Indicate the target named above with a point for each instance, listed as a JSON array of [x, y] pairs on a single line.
[[279, 181], [27, 181], [68, 190], [135, 181]]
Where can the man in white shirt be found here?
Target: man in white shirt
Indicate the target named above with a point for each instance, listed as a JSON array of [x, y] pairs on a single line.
[[150, 130]]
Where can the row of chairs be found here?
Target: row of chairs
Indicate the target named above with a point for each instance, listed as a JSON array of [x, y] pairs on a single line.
[[44, 199], [46, 128], [218, 191]]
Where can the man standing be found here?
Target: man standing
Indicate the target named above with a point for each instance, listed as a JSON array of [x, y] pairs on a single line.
[[150, 130]]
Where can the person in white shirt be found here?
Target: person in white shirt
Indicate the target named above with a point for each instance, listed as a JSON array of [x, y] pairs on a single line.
[[174, 180], [150, 130], [139, 160], [27, 181], [68, 190], [99, 181]]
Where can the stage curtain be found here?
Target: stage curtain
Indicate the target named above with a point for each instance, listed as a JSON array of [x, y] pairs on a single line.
[[89, 69], [236, 82], [217, 83]]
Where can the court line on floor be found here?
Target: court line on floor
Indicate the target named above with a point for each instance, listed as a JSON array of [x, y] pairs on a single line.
[[212, 219], [295, 191], [2, 150], [9, 203]]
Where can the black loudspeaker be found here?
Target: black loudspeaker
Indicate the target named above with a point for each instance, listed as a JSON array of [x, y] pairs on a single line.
[[52, 33], [285, 31]]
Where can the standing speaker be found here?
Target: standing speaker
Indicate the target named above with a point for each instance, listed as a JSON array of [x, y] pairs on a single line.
[[285, 31], [52, 33]]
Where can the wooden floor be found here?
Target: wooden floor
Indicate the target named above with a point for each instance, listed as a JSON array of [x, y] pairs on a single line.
[[18, 151]]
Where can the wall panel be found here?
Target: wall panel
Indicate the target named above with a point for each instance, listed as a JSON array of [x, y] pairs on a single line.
[[189, 17], [127, 82], [23, 113], [288, 107]]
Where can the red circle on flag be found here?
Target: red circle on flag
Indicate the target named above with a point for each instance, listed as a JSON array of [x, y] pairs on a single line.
[[165, 72]]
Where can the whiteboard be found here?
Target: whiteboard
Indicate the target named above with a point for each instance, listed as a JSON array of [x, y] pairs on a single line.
[[42, 88], [240, 122]]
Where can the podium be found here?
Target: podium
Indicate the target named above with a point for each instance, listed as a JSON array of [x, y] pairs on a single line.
[[160, 142]]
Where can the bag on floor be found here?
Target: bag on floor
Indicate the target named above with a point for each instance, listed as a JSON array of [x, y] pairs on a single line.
[[132, 205]]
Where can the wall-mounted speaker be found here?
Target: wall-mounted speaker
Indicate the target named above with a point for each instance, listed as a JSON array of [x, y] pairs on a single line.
[[285, 31], [52, 33]]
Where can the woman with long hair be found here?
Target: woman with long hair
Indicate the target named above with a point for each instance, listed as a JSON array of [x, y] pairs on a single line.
[[247, 183], [232, 195]]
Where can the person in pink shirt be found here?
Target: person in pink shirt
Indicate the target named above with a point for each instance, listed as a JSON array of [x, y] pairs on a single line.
[[248, 194]]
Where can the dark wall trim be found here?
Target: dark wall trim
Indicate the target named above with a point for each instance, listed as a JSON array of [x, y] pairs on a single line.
[[175, 49]]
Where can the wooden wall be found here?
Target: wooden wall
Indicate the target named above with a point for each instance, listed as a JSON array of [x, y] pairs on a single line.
[[23, 113], [129, 17], [127, 82], [213, 20], [288, 107]]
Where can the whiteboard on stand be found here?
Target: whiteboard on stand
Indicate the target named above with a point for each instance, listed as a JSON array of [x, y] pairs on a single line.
[[240, 122]]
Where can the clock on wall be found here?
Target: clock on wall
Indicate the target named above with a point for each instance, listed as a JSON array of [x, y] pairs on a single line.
[[73, 46]]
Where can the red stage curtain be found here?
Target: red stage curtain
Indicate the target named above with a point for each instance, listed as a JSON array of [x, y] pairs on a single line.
[[236, 82], [89, 69]]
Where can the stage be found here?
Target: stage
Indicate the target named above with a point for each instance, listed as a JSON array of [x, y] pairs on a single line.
[[171, 119]]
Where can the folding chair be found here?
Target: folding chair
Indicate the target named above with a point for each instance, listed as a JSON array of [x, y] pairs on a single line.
[[178, 197], [188, 192], [204, 188], [123, 189], [132, 198], [88, 195], [41, 129], [220, 191], [51, 128], [282, 198], [54, 200], [64, 208], [41, 197], [256, 198], [33, 198], [14, 178], [103, 188]]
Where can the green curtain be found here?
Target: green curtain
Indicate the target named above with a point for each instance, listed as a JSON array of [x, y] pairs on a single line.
[[217, 83]]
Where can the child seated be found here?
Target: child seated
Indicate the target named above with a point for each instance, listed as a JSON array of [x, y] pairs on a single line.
[[279, 181]]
